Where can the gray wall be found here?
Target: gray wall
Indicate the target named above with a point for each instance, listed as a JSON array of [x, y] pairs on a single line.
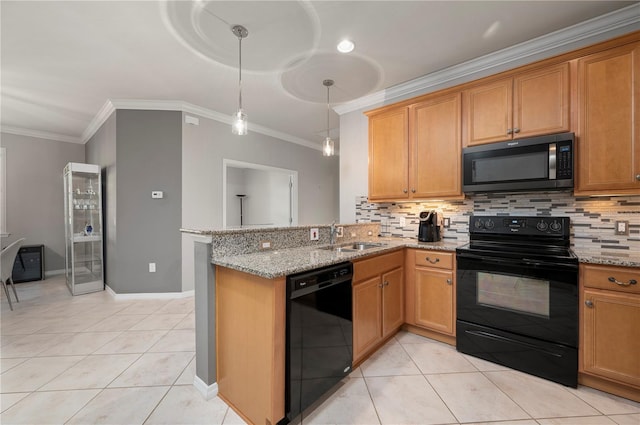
[[205, 146], [35, 194], [140, 151], [149, 158], [101, 150]]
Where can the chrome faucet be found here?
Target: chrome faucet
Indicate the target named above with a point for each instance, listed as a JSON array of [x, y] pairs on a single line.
[[332, 233]]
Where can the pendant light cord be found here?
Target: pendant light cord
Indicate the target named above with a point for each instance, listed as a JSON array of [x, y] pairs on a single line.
[[328, 110], [240, 72]]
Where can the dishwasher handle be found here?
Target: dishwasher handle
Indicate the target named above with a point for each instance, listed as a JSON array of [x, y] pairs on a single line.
[[319, 286]]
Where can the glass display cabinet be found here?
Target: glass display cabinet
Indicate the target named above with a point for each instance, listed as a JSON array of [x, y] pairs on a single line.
[[83, 228]]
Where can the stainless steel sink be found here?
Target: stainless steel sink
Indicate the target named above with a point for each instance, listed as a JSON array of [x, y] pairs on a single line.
[[353, 246]]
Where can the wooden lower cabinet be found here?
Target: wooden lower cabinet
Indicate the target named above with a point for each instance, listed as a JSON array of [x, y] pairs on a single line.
[[430, 300], [378, 301], [250, 344], [610, 336]]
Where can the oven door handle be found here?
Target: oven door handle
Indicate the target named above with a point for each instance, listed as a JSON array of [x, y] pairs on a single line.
[[521, 261]]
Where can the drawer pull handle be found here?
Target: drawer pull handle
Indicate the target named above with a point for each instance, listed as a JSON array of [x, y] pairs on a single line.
[[449, 281], [589, 303], [437, 260], [617, 282]]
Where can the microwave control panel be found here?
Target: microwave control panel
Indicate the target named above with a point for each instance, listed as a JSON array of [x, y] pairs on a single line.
[[564, 167]]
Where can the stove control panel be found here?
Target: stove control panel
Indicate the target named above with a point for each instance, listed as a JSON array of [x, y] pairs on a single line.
[[503, 225]]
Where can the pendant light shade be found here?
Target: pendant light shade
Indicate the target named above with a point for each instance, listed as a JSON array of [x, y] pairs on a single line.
[[328, 148], [239, 124]]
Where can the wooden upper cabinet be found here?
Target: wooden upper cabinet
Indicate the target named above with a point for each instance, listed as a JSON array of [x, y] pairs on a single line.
[[528, 104], [415, 150], [435, 148], [488, 112], [608, 130], [389, 155]]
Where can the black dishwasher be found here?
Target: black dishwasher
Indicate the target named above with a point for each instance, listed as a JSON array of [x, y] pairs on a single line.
[[319, 334]]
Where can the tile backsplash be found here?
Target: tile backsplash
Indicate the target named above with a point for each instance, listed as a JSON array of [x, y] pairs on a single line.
[[592, 218]]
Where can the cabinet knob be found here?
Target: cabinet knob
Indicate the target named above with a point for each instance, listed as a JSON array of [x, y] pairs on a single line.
[[381, 285], [509, 131], [638, 177], [405, 190], [449, 281], [434, 261], [617, 282], [413, 191], [589, 303], [516, 130]]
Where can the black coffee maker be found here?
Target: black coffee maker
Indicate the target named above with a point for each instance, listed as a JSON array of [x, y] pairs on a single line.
[[429, 229]]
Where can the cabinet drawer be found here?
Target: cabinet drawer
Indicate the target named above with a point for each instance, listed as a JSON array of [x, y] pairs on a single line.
[[374, 266], [439, 260], [601, 277]]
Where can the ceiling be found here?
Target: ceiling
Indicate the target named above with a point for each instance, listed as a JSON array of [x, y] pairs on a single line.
[[61, 61]]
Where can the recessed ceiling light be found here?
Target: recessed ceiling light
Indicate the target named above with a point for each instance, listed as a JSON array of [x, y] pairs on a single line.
[[346, 46]]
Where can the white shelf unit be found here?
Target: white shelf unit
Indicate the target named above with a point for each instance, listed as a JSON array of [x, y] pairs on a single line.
[[83, 228]]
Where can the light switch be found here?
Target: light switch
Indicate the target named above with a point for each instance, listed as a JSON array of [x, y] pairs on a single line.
[[157, 194]]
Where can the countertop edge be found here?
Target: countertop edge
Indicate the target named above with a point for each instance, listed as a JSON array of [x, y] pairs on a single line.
[[284, 262]]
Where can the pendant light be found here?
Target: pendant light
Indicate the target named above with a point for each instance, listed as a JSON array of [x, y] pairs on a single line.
[[327, 145], [239, 119]]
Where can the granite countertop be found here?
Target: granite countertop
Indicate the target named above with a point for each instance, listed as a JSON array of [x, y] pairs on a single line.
[[278, 263], [611, 258]]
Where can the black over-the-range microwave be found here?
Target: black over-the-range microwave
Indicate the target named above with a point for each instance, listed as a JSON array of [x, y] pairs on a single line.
[[536, 163]]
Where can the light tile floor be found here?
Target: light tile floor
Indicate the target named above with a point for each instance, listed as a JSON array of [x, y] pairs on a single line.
[[91, 359]]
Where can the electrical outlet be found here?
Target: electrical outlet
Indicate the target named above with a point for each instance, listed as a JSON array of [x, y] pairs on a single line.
[[314, 234], [265, 244], [152, 267], [339, 231], [622, 227], [403, 222], [446, 222]]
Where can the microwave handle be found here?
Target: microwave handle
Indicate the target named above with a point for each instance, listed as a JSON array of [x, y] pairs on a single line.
[[552, 161]]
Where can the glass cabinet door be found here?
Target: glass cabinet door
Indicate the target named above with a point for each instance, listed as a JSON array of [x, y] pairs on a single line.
[[83, 228]]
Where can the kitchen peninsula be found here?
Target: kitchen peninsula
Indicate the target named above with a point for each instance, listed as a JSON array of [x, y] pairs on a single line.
[[240, 303]]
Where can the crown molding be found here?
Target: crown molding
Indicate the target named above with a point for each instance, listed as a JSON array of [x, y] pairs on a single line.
[[624, 17], [40, 134], [176, 105]]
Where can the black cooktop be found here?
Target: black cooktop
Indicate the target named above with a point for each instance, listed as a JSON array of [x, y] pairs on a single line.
[[536, 238]]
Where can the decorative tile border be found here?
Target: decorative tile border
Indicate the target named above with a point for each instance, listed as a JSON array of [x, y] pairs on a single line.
[[592, 219]]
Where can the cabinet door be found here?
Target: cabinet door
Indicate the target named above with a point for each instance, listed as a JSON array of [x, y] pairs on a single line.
[[436, 146], [541, 101], [434, 300], [610, 335], [392, 301], [389, 155], [609, 134], [488, 116], [367, 315]]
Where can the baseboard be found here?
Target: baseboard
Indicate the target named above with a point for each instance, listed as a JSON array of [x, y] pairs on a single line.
[[148, 295], [207, 391], [51, 273]]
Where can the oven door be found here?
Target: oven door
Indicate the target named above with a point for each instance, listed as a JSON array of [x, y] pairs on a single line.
[[536, 299]]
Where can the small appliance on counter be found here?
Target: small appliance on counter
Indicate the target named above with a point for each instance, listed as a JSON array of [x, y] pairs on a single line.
[[429, 227]]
